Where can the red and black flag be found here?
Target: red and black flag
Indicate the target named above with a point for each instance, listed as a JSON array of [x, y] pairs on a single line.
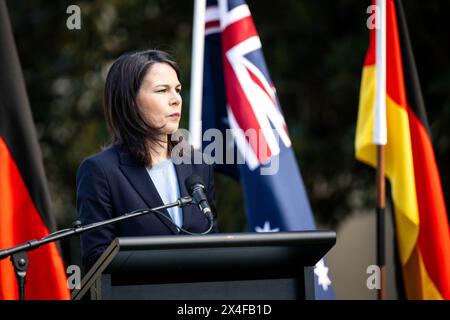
[[24, 198], [422, 230]]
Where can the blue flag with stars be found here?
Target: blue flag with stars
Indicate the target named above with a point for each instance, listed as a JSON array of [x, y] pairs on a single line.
[[239, 96]]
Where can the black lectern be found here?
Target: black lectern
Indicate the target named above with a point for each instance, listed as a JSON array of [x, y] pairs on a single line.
[[218, 266]]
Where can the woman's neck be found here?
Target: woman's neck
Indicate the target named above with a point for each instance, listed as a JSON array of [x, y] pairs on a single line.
[[159, 151]]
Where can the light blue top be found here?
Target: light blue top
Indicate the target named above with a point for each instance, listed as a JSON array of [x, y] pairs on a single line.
[[165, 179]]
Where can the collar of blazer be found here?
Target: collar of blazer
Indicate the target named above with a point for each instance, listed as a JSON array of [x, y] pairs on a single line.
[[139, 178]]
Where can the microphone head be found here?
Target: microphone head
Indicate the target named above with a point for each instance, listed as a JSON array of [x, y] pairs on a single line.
[[192, 181]]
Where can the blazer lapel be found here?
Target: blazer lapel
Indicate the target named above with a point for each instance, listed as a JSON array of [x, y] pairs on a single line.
[[184, 171], [143, 184]]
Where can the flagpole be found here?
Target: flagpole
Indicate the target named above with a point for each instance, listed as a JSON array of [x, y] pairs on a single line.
[[381, 206], [380, 138], [198, 45]]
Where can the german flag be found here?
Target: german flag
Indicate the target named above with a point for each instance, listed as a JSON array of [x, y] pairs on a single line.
[[422, 229], [24, 199]]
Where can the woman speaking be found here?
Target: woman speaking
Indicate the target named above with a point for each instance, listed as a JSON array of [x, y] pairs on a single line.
[[142, 105]]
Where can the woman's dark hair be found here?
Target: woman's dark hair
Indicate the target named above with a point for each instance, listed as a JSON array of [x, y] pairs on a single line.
[[125, 121]]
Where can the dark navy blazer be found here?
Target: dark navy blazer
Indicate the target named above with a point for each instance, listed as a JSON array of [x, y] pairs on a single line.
[[111, 183]]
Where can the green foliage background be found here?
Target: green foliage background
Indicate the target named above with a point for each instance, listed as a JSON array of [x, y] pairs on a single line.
[[314, 51]]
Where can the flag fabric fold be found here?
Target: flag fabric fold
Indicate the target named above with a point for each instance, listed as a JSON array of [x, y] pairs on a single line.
[[422, 230], [24, 200]]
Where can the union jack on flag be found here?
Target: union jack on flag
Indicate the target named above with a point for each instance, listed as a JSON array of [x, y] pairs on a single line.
[[251, 98], [238, 94]]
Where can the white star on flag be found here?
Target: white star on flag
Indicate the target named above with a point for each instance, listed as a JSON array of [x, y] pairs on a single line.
[[322, 273], [266, 228]]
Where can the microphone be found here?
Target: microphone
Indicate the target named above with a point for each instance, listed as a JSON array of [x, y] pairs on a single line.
[[196, 188]]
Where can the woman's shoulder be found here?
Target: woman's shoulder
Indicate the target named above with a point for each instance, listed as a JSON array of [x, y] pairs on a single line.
[[107, 156]]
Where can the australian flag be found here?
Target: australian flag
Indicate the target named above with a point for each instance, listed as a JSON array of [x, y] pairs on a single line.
[[239, 95]]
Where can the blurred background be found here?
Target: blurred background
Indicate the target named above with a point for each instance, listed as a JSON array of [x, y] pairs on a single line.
[[314, 51]]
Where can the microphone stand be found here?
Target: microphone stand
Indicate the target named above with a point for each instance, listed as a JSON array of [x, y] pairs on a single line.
[[19, 256]]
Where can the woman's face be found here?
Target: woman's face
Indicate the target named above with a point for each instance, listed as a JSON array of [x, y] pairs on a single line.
[[159, 98]]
